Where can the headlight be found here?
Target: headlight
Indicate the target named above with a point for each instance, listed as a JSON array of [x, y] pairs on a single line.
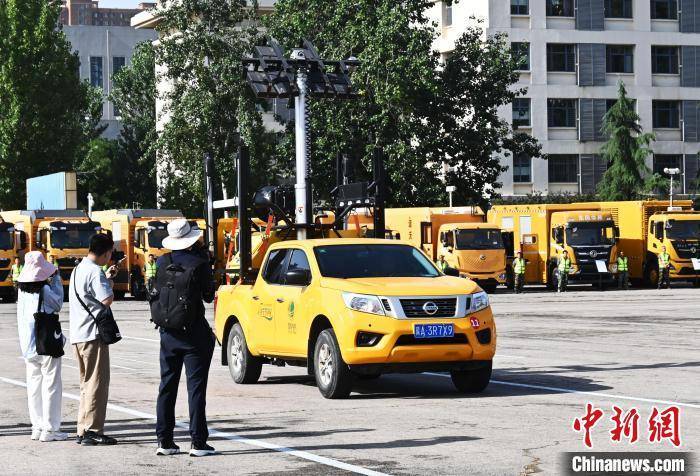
[[364, 303], [479, 301]]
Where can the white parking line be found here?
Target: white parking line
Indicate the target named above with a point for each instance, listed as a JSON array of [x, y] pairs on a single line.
[[141, 339], [582, 392], [232, 437]]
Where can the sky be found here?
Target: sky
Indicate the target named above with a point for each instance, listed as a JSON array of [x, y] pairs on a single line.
[[119, 3]]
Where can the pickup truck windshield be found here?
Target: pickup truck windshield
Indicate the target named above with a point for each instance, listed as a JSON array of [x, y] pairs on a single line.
[[590, 234], [72, 237], [373, 261], [683, 230], [479, 240]]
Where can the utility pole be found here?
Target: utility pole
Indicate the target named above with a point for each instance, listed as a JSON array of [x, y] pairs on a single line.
[[672, 172], [209, 189], [302, 158], [450, 190]]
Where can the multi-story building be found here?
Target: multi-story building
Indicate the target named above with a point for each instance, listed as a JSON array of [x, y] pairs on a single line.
[[88, 12], [575, 53], [103, 51]]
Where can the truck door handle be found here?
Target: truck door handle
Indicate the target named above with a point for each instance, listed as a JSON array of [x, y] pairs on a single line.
[[256, 298], [280, 300]]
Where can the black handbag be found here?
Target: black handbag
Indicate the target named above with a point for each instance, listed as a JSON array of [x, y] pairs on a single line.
[[107, 328], [47, 331]]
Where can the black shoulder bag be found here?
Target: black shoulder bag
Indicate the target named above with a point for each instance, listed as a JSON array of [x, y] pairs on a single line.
[[47, 331], [107, 328]]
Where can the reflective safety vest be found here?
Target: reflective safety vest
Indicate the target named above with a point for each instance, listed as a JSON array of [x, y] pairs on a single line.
[[664, 260], [622, 264], [519, 265], [16, 270], [442, 265], [150, 269], [564, 265]]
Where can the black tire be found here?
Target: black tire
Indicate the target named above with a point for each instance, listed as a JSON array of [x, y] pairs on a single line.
[[489, 288], [244, 367], [472, 381], [651, 276], [333, 376], [552, 279], [119, 295], [10, 298]]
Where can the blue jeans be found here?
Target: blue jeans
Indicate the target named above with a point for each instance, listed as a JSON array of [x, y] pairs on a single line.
[[194, 349]]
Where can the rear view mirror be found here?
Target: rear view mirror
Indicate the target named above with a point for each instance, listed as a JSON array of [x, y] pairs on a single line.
[[451, 272], [298, 277]]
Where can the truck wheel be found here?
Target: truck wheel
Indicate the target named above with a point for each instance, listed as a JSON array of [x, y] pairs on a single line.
[[489, 288], [333, 377], [472, 381], [244, 367], [119, 295], [10, 298], [552, 279], [651, 276]]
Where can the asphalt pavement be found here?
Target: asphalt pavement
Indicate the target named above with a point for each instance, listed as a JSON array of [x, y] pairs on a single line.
[[556, 353]]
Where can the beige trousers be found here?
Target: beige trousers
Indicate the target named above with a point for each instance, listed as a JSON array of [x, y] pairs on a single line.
[[93, 362]]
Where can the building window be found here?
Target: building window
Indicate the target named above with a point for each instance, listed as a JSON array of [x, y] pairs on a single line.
[[618, 8], [521, 113], [522, 169], [519, 7], [662, 162], [666, 114], [620, 59], [561, 113], [664, 9], [563, 168], [521, 51], [664, 59], [446, 14], [561, 57], [96, 66], [560, 8]]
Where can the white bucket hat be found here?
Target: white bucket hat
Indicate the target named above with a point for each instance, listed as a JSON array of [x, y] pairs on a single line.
[[181, 235]]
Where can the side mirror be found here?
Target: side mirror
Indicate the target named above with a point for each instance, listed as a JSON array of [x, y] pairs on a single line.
[[451, 272], [298, 277], [22, 239], [616, 231]]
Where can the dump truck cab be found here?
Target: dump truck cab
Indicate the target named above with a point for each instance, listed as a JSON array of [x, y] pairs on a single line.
[[346, 308], [476, 250], [12, 245], [679, 232]]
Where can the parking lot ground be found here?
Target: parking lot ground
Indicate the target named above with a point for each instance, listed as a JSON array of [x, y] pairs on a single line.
[[556, 353]]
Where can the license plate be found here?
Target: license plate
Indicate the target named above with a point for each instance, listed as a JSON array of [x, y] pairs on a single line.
[[433, 331]]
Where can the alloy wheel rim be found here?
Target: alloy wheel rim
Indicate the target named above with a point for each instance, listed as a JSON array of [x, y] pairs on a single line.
[[237, 354], [325, 364]]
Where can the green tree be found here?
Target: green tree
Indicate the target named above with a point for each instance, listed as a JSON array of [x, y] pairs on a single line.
[[625, 152], [47, 115], [209, 104], [422, 114]]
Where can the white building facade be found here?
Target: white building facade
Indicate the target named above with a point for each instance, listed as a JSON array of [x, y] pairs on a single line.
[[103, 51], [576, 53]]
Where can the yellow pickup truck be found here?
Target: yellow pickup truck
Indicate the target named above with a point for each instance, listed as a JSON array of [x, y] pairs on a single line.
[[349, 308]]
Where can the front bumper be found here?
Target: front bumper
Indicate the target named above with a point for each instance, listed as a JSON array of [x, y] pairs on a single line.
[[398, 346], [498, 277], [411, 368], [683, 270]]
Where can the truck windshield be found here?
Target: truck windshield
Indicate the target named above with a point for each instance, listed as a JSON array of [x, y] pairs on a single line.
[[373, 261], [479, 240], [155, 238], [683, 230], [7, 240], [590, 234], [71, 237]]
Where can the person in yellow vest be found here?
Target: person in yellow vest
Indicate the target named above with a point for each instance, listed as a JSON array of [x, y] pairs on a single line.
[[519, 265], [622, 271], [664, 268], [150, 270], [564, 268], [15, 272]]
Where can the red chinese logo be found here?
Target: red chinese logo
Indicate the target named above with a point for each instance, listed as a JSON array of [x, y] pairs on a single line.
[[626, 425], [665, 425], [587, 422]]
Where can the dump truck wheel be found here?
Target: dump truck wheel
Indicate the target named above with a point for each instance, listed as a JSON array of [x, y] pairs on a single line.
[[244, 367], [472, 381]]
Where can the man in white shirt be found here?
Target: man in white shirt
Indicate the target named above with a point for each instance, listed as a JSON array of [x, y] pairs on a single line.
[[95, 289]]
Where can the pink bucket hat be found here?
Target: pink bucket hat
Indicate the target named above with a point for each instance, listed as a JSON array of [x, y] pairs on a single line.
[[36, 268]]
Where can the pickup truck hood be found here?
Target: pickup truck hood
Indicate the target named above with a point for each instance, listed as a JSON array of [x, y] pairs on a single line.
[[440, 286]]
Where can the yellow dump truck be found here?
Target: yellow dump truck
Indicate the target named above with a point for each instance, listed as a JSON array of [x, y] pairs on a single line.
[[647, 226], [63, 235], [12, 245], [542, 232], [461, 235], [136, 234]]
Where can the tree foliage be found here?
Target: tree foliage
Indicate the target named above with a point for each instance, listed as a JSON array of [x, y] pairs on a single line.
[[422, 114], [208, 104], [625, 152], [47, 115]]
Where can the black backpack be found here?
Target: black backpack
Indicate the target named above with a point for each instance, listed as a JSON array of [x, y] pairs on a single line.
[[173, 301]]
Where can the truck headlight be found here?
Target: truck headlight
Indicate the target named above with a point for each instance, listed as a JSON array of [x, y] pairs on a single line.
[[479, 301], [364, 303]]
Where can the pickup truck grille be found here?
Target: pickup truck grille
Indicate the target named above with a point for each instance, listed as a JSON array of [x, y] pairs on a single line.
[[415, 307]]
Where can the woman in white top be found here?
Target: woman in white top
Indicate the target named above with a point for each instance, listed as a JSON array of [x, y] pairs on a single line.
[[44, 386]]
